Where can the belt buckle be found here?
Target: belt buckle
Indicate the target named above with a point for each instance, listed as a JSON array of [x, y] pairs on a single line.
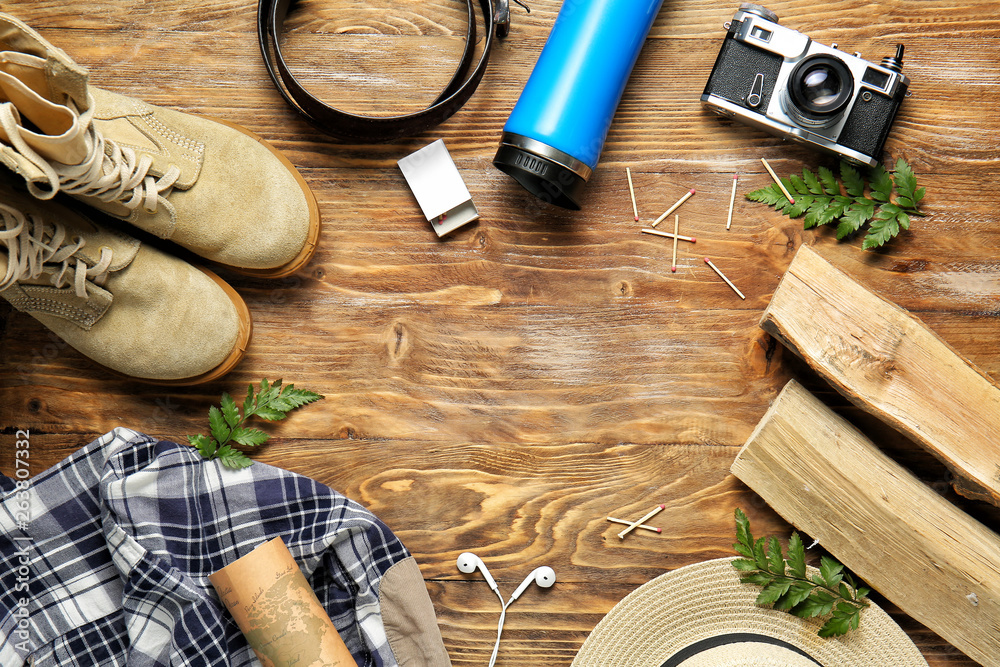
[[501, 18]]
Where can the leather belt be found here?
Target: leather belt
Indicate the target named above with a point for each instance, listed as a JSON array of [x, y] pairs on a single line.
[[375, 129]]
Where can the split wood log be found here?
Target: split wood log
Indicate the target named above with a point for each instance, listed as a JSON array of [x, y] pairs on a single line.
[[887, 362], [932, 560]]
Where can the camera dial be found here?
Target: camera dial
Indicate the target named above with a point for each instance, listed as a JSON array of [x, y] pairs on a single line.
[[895, 63], [819, 89], [759, 10]]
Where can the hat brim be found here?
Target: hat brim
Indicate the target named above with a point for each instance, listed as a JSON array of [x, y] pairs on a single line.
[[701, 616]]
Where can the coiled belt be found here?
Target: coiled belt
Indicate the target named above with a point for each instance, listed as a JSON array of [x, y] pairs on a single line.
[[376, 129]]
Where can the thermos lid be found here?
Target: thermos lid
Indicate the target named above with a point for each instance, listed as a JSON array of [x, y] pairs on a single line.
[[548, 173]]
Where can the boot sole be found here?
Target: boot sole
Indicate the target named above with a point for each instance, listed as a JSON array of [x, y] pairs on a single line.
[[238, 351], [312, 238]]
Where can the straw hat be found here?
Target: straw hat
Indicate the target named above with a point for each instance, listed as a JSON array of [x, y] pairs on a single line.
[[702, 616]]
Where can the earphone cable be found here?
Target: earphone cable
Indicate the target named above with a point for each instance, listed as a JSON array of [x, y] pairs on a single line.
[[496, 647]]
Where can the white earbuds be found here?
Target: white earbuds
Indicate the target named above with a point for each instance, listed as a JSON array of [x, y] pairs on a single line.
[[544, 576], [468, 562]]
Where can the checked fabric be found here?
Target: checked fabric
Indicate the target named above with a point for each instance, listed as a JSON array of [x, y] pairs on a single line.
[[120, 539]]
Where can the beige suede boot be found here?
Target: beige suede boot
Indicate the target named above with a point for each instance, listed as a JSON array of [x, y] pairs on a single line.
[[212, 187], [127, 306]]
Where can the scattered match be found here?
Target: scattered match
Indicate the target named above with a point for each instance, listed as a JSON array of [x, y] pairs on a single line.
[[653, 512], [669, 235], [677, 224], [788, 196], [631, 191], [723, 276], [732, 202], [674, 207], [629, 523]]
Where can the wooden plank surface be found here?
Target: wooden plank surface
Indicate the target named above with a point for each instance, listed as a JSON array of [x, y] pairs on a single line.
[[505, 388], [889, 363], [829, 479]]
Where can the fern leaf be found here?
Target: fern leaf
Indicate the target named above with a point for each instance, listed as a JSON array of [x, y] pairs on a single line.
[[206, 446], [796, 185], [796, 556], [233, 458], [881, 184], [230, 412], [812, 183], [217, 424], [249, 437], [802, 204], [271, 402], [906, 180], [770, 195], [829, 181], [882, 229], [816, 211], [854, 184]]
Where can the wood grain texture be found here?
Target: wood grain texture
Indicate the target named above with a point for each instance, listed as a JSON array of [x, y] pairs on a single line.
[[504, 389], [828, 478], [888, 362]]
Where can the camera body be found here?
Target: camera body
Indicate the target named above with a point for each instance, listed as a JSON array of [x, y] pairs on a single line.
[[778, 80]]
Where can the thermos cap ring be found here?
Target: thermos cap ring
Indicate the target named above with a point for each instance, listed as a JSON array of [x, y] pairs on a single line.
[[546, 172]]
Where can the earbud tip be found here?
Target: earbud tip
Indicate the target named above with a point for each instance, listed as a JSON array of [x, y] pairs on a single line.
[[546, 576], [466, 562]]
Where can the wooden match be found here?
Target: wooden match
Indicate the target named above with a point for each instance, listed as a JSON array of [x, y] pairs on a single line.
[[631, 191], [788, 196], [674, 207], [656, 510], [732, 202], [723, 276], [669, 235], [629, 523], [677, 224]]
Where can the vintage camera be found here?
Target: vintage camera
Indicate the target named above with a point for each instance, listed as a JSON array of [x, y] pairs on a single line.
[[779, 80]]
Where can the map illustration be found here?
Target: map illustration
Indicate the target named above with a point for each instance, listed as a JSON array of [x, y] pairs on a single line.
[[278, 611]]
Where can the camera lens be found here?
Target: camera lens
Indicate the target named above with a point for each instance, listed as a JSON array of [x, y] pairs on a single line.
[[821, 86]]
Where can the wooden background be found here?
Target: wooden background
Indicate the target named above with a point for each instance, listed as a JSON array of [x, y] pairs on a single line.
[[503, 390]]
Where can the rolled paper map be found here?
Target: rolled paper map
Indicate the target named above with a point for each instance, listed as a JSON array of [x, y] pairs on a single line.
[[278, 611]]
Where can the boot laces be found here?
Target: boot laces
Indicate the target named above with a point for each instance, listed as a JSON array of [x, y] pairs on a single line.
[[110, 172], [35, 247]]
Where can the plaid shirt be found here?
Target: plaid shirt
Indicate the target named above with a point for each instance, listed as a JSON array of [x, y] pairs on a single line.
[[109, 563]]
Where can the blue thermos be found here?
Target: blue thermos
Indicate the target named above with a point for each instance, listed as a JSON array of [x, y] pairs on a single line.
[[555, 133]]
